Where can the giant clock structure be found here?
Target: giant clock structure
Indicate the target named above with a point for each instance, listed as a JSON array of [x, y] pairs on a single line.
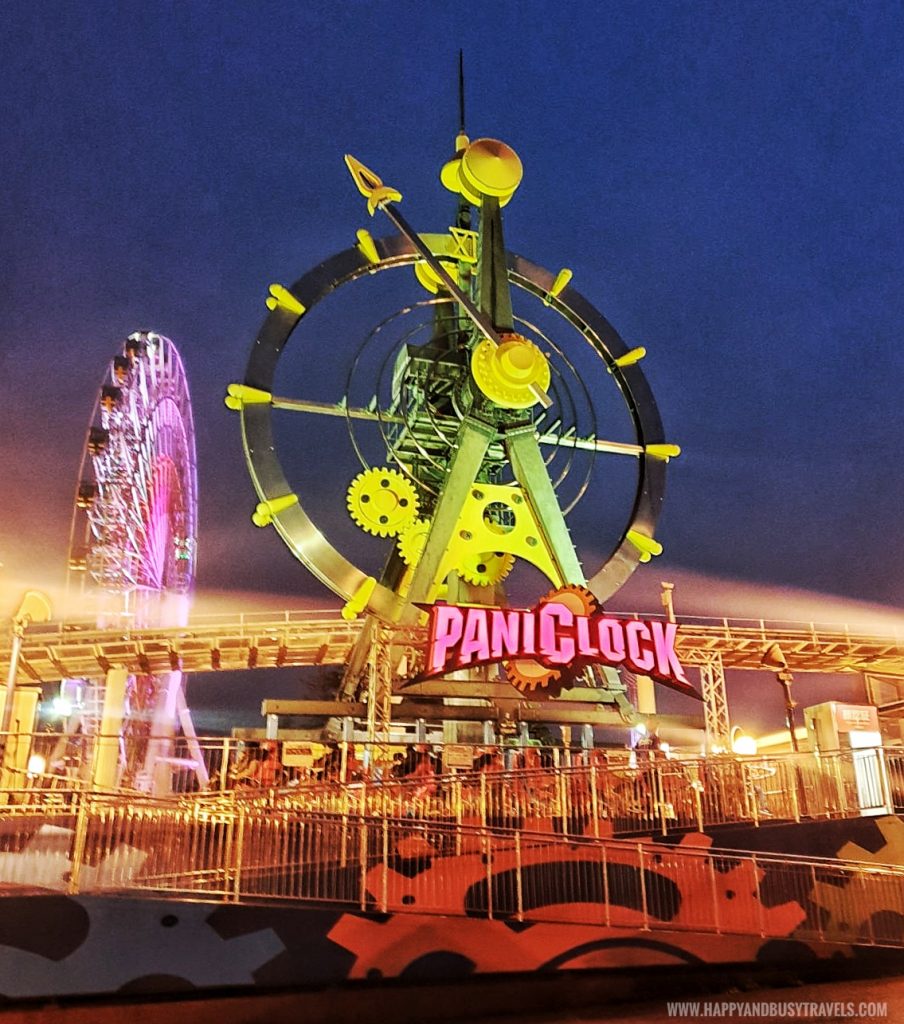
[[488, 398]]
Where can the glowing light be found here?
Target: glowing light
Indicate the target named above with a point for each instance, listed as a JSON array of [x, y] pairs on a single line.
[[61, 706], [36, 765], [742, 744]]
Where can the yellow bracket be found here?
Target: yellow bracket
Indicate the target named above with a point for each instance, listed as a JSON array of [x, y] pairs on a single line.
[[282, 298], [381, 195], [663, 451], [644, 544], [476, 533], [562, 280], [428, 278], [459, 245], [464, 245], [240, 395], [266, 510], [367, 246], [630, 358], [358, 602]]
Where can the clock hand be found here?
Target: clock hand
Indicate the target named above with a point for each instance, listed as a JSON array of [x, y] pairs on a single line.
[[381, 197]]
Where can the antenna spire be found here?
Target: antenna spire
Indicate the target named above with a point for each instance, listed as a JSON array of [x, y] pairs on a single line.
[[461, 92]]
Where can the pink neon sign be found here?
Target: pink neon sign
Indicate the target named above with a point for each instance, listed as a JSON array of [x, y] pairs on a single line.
[[556, 636]]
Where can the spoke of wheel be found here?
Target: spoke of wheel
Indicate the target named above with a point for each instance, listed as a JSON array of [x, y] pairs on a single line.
[[327, 409], [592, 444]]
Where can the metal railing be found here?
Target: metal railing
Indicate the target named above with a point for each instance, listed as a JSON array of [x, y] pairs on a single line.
[[210, 642], [573, 793], [247, 853], [598, 800], [891, 626]]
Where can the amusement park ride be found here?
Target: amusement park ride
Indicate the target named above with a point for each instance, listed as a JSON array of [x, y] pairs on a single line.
[[480, 425], [484, 416], [496, 424], [132, 552]]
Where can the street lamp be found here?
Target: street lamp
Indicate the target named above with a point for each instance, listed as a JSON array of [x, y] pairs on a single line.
[[774, 658]]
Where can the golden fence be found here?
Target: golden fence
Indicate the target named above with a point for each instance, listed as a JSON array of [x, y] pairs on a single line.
[[250, 852], [569, 793]]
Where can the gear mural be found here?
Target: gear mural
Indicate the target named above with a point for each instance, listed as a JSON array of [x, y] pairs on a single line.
[[868, 916], [580, 935]]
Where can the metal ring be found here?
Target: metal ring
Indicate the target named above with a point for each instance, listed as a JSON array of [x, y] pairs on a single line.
[[298, 530]]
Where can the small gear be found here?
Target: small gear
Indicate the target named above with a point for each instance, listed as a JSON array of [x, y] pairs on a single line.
[[382, 501], [486, 569], [527, 675], [411, 541]]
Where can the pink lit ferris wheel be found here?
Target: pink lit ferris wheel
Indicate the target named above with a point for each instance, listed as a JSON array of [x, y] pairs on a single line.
[[133, 541], [134, 527]]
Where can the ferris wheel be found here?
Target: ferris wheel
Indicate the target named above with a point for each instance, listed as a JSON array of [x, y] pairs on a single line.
[[134, 526], [133, 540]]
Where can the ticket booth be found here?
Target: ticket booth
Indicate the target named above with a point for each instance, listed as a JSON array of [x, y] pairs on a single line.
[[850, 732]]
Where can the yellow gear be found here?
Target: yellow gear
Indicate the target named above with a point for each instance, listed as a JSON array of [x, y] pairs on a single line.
[[487, 568], [382, 501], [411, 541], [510, 373]]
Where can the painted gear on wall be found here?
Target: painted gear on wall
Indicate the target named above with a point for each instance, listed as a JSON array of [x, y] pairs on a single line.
[[867, 914], [382, 501]]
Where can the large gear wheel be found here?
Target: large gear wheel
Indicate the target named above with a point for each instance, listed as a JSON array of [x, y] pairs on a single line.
[[486, 569], [382, 501], [576, 598]]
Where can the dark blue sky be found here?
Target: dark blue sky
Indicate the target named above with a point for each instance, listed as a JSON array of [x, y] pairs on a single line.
[[725, 180]]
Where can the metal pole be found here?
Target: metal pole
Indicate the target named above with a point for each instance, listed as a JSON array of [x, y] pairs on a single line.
[[18, 633], [785, 679], [34, 607], [668, 600]]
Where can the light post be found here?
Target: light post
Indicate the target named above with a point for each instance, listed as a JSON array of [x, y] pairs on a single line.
[[774, 658], [668, 600]]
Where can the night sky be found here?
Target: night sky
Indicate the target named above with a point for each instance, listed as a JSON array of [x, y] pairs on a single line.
[[724, 179]]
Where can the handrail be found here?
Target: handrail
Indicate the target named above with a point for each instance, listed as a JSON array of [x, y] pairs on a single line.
[[247, 854], [302, 616], [258, 639], [594, 793]]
